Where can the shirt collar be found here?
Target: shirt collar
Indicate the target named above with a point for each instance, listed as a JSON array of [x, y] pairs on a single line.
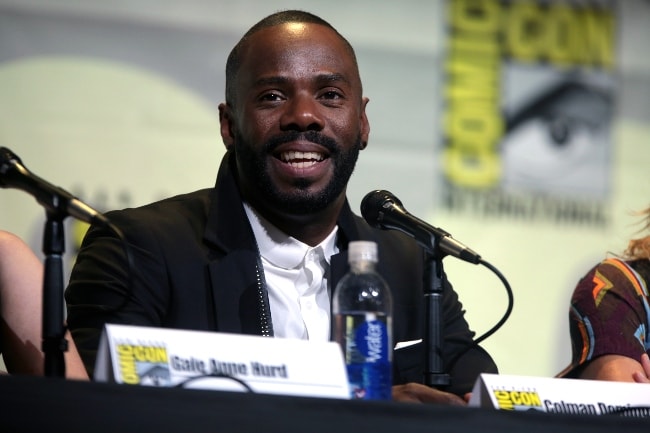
[[281, 249]]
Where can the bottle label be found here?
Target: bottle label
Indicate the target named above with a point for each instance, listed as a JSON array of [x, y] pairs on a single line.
[[368, 355]]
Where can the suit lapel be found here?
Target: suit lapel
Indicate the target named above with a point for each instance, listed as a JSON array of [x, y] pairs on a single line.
[[232, 267], [235, 293]]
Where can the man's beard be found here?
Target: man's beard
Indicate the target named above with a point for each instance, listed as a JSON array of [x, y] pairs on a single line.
[[300, 200]]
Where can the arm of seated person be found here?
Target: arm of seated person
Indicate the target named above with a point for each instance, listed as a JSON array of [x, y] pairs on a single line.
[[74, 367], [612, 367], [643, 377], [419, 393]]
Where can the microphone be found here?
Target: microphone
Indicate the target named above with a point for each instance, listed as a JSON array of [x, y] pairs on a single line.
[[382, 210], [13, 174]]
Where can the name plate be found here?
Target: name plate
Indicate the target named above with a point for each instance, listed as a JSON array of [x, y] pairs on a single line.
[[553, 395], [163, 357]]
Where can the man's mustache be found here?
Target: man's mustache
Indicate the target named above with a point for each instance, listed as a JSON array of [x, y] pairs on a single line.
[[311, 136]]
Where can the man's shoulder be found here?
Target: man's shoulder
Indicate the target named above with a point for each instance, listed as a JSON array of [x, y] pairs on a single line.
[[193, 206], [199, 198]]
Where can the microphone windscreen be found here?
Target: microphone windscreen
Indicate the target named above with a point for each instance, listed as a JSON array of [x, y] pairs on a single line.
[[373, 203], [6, 158]]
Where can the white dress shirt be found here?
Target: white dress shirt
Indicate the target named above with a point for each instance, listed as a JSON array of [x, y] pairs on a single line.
[[297, 280]]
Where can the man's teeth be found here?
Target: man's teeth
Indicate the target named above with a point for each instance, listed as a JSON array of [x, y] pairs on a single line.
[[301, 159]]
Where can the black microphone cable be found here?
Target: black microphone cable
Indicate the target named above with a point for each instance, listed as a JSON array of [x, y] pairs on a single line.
[[184, 383], [496, 326]]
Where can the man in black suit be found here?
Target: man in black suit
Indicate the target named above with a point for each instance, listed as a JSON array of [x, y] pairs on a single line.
[[261, 252]]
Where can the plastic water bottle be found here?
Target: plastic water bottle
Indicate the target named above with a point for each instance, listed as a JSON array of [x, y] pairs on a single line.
[[362, 310]]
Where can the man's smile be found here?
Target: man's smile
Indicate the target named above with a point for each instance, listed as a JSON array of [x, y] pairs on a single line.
[[298, 159]]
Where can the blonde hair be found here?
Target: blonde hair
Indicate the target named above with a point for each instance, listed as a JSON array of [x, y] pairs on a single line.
[[640, 248]]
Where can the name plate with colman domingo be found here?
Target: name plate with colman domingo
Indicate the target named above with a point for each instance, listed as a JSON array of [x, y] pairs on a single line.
[[554, 395]]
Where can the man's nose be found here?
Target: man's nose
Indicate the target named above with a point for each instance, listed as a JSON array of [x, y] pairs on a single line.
[[302, 113]]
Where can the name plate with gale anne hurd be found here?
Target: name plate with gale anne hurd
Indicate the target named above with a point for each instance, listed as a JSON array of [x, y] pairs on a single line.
[[134, 355]]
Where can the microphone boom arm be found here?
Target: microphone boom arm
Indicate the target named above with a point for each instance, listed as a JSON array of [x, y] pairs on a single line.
[[58, 204]]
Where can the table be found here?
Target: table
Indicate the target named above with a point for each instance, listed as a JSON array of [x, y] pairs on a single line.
[[37, 404]]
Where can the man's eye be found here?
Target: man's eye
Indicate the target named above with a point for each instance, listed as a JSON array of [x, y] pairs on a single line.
[[270, 97], [331, 95]]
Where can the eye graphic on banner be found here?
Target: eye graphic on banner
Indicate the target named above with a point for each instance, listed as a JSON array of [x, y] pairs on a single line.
[[529, 100], [559, 141]]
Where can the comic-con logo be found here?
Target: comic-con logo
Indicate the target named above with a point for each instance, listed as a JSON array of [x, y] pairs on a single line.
[[142, 364], [518, 400]]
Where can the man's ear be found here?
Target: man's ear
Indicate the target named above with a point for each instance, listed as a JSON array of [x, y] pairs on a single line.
[[365, 124], [227, 125]]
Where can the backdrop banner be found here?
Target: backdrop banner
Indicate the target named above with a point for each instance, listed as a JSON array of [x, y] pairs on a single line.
[[529, 95]]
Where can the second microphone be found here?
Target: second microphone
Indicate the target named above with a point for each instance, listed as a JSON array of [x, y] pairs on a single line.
[[381, 209]]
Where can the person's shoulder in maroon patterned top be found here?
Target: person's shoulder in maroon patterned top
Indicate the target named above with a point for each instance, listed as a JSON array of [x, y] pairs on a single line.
[[609, 318]]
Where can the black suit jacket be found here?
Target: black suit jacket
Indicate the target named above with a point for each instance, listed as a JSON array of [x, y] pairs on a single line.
[[194, 267]]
